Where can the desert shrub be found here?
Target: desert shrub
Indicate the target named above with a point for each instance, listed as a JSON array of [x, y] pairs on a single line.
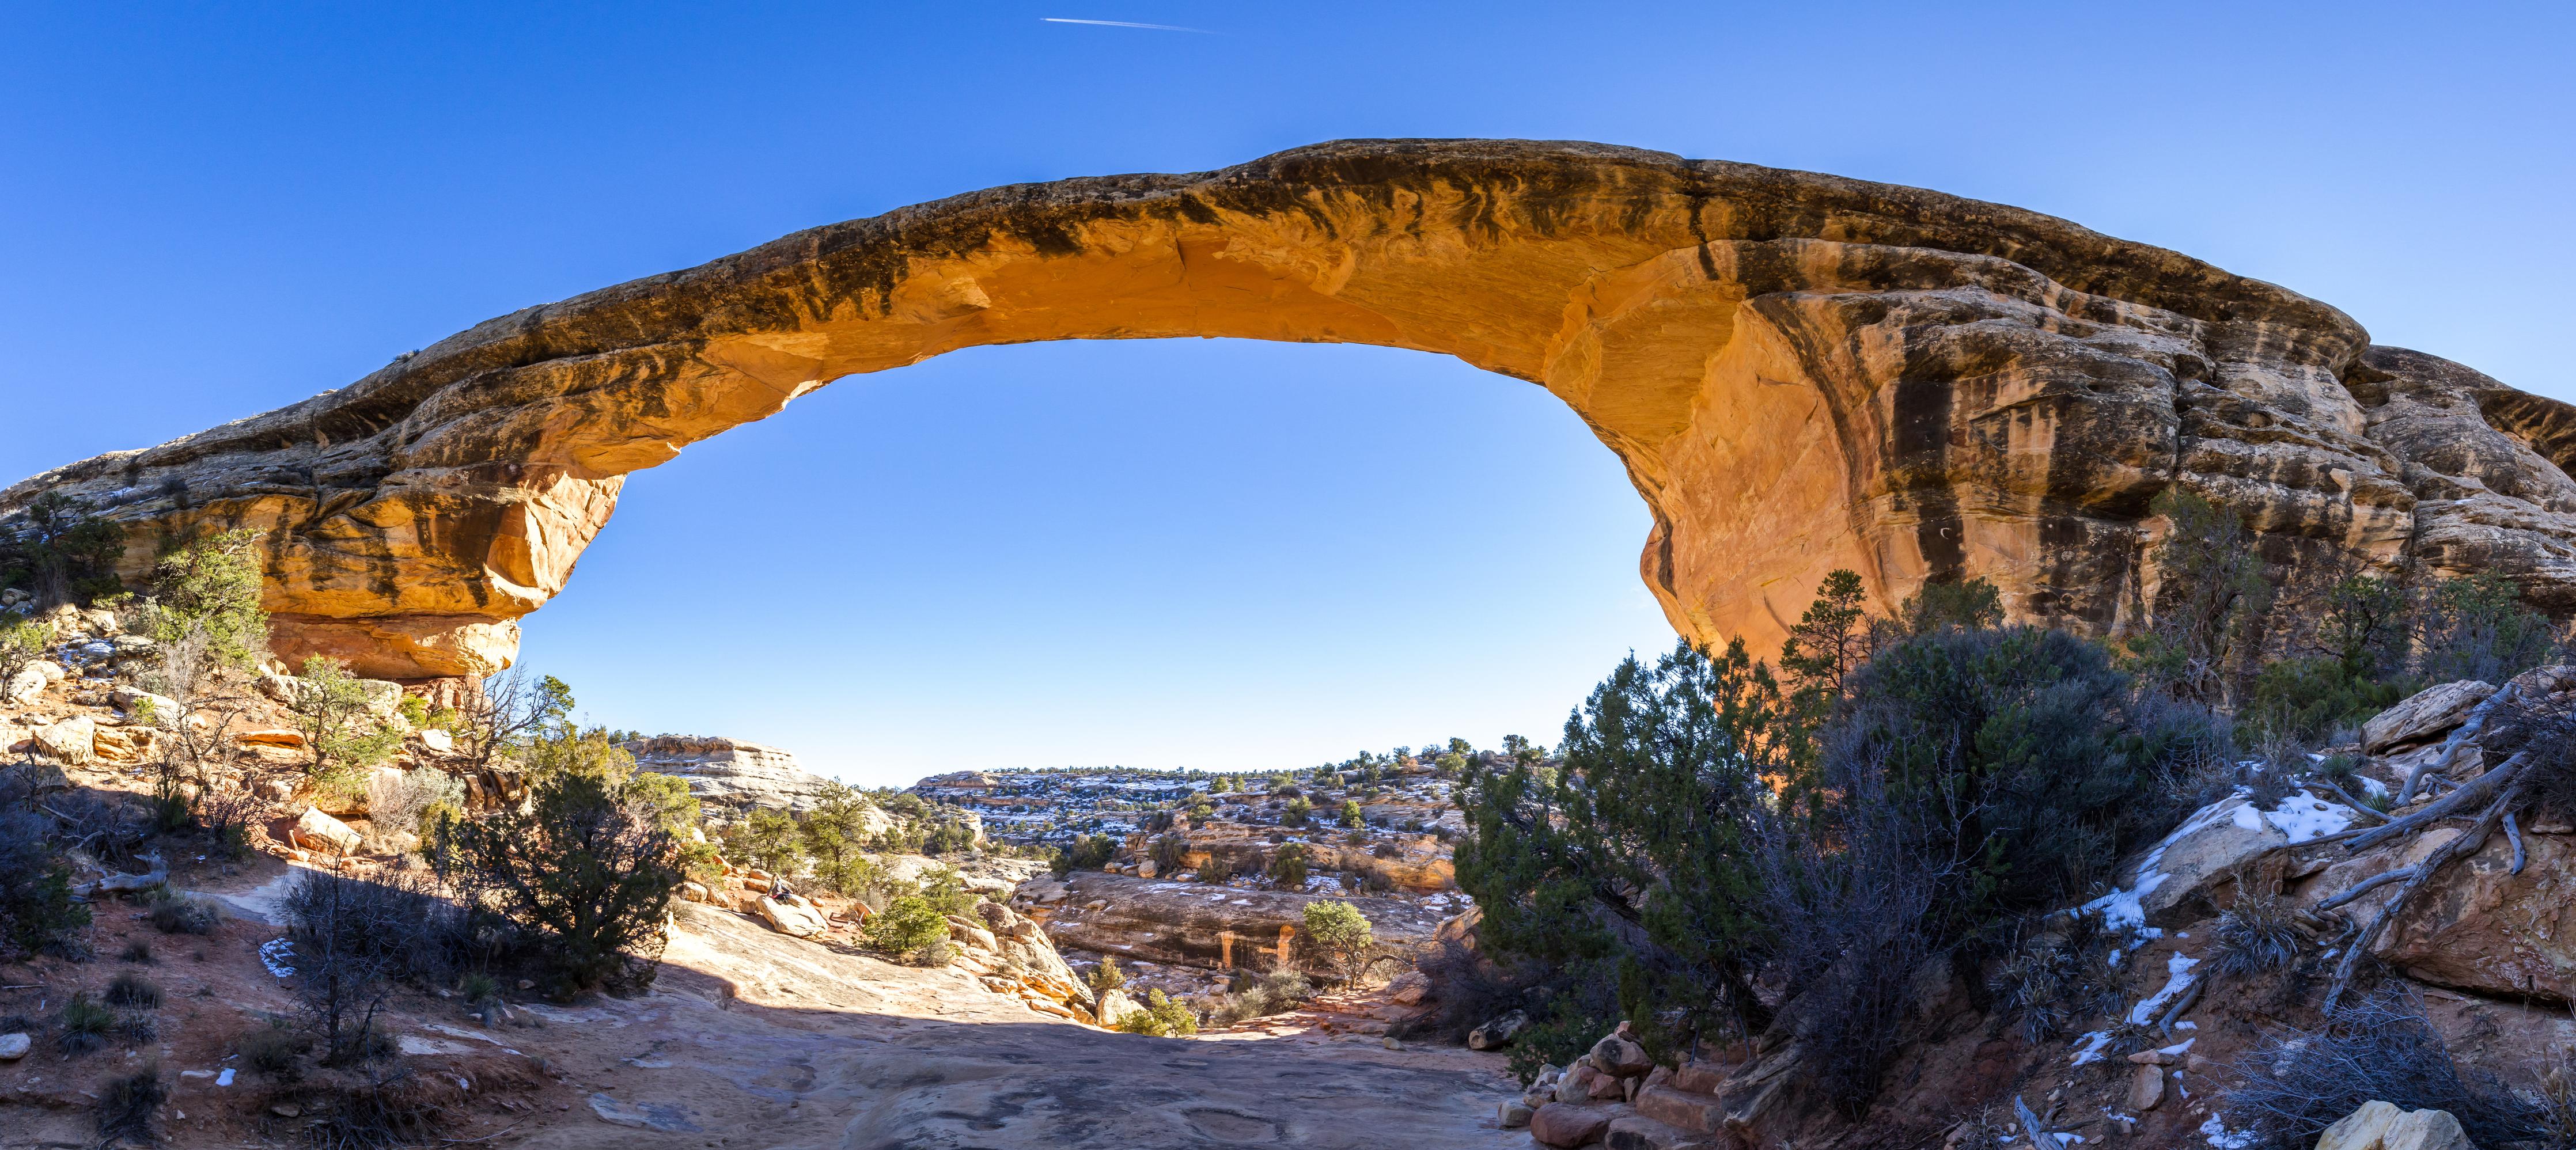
[[945, 890], [1468, 988], [126, 1105], [1221, 867], [134, 990], [2478, 628], [1296, 813], [1106, 977], [22, 641], [355, 939], [1338, 932], [561, 748], [766, 839], [275, 1049], [939, 953], [37, 912], [834, 839], [2310, 699], [1638, 851], [397, 802], [2055, 977], [342, 732], [478, 988], [1162, 1017], [2255, 934], [1288, 866], [389, 1106], [181, 914], [589, 871], [56, 548], [1170, 853], [1971, 777], [1275, 992], [2211, 588], [2298, 1082], [138, 950], [947, 835], [1351, 815], [906, 928], [205, 598], [1087, 852], [84, 1025]]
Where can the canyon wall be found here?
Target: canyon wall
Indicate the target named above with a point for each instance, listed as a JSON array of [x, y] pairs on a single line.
[[1800, 372]]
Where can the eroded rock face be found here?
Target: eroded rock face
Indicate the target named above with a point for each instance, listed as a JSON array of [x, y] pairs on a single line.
[[730, 777], [1799, 372], [1214, 927]]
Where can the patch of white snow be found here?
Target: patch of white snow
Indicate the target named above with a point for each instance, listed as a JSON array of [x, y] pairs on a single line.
[[2178, 978]]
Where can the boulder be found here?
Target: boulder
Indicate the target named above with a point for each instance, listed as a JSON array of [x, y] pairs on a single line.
[[1408, 988], [1682, 1109], [694, 892], [1512, 1114], [1575, 1085], [2423, 716], [1640, 1132], [2158, 887], [2146, 1087], [1498, 1032], [792, 919], [439, 742], [315, 831], [126, 745], [14, 1046], [73, 741], [165, 710], [1615, 1054], [2480, 928], [972, 935], [2382, 1126], [1114, 1008], [1566, 1125], [24, 687]]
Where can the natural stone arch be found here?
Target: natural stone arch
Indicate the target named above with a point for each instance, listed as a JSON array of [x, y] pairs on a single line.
[[1799, 372]]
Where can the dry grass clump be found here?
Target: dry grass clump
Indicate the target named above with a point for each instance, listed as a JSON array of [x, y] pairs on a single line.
[[125, 1107]]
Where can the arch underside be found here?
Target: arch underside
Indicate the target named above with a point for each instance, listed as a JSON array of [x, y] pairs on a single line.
[[1799, 373]]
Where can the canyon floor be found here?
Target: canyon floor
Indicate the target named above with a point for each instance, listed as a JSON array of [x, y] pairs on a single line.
[[751, 1038]]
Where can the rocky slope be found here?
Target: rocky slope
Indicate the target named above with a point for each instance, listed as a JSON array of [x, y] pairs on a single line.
[[1800, 373]]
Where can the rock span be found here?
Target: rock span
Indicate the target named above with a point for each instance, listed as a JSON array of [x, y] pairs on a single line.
[[1800, 372]]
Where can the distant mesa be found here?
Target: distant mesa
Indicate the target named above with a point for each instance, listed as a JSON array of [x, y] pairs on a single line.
[[1799, 373], [957, 781]]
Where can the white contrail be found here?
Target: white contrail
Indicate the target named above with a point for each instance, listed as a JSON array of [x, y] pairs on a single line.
[[1125, 24]]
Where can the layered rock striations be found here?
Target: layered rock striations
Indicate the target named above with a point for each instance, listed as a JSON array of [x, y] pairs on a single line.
[[1800, 372], [730, 778]]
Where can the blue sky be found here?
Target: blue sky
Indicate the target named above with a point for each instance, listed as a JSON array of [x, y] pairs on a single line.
[[1197, 553]]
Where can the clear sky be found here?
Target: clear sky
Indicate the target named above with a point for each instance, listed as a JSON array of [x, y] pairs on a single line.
[[1196, 553]]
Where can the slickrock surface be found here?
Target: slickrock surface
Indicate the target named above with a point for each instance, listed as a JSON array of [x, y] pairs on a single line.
[[1800, 372]]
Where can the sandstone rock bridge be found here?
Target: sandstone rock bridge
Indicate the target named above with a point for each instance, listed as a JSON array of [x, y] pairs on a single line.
[[1800, 372]]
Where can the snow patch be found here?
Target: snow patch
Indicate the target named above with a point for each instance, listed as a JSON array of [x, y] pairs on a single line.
[[278, 955], [2223, 1138], [2091, 1051], [2178, 978]]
